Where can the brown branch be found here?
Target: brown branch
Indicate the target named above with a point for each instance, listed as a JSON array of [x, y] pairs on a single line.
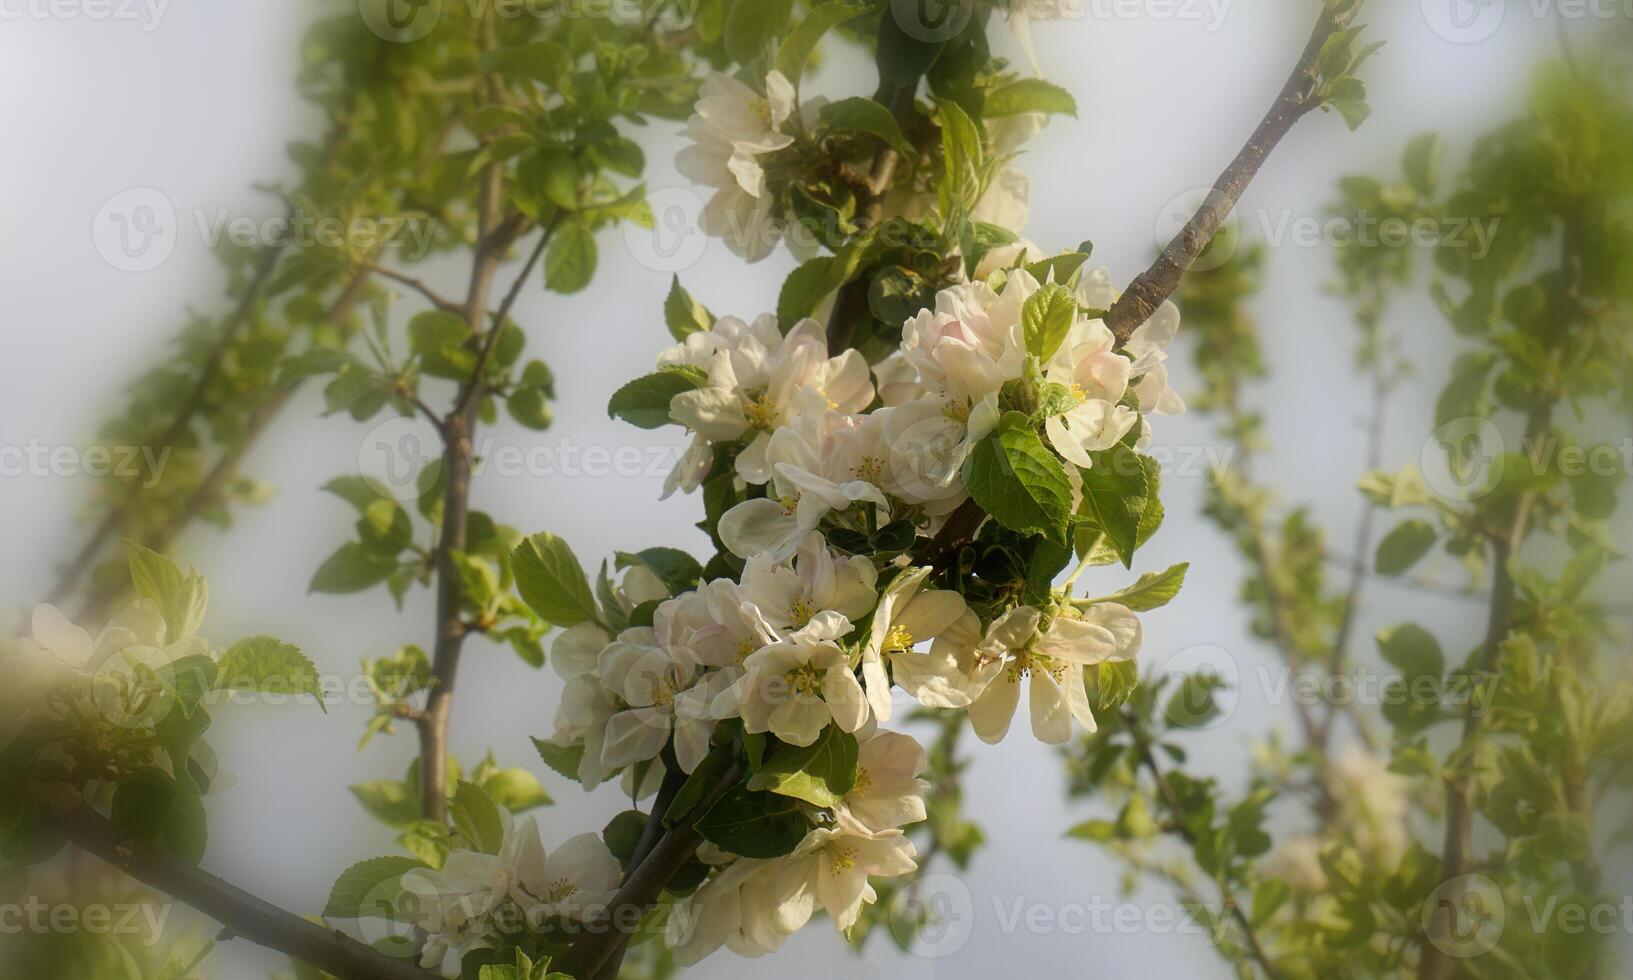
[[851, 305], [243, 914], [1153, 286], [608, 933], [418, 285]]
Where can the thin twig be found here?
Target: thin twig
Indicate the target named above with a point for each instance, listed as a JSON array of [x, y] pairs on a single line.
[[1147, 758], [418, 285], [1153, 286], [244, 915], [114, 520]]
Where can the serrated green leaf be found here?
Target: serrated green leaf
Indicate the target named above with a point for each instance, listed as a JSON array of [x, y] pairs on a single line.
[[755, 824], [1028, 95], [570, 259], [266, 665], [684, 315], [864, 115], [1153, 590], [1405, 546], [1046, 318], [644, 402], [1014, 477], [820, 773], [552, 582], [360, 887]]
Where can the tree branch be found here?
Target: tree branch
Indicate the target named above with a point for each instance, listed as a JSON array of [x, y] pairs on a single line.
[[241, 913], [1147, 758], [1153, 286], [114, 520], [642, 886], [435, 298]]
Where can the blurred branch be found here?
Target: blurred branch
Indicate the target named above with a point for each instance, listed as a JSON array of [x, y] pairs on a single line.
[[243, 914], [1153, 286]]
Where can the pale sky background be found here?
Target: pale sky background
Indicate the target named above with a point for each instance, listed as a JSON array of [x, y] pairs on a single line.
[[200, 104]]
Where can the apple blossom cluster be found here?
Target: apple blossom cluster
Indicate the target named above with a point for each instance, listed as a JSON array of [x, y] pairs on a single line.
[[819, 634], [476, 899], [739, 139]]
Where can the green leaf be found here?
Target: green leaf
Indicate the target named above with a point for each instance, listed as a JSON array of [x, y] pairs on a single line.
[[359, 491], [562, 758], [385, 527], [1014, 477], [754, 824], [1045, 319], [569, 262], [181, 597], [864, 115], [150, 806], [1413, 650], [439, 338], [1153, 590], [904, 58], [541, 61], [1028, 95], [266, 665], [707, 775], [552, 582], [1116, 680], [820, 773], [361, 887], [684, 315], [622, 834], [388, 801], [517, 790], [1115, 495], [1405, 546], [753, 24], [806, 286], [352, 568], [644, 402], [1269, 894], [476, 816], [795, 50], [530, 408], [679, 570], [553, 173]]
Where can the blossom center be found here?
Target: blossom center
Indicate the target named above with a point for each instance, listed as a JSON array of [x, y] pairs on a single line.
[[899, 640], [804, 680], [760, 411]]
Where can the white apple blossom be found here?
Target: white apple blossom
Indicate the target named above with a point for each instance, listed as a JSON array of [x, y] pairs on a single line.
[[732, 128], [646, 677], [907, 615], [820, 462], [787, 596], [1014, 650], [795, 687], [833, 865], [755, 373], [889, 793]]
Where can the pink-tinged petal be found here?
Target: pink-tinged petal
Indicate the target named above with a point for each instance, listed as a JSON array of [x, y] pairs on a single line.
[[994, 710]]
